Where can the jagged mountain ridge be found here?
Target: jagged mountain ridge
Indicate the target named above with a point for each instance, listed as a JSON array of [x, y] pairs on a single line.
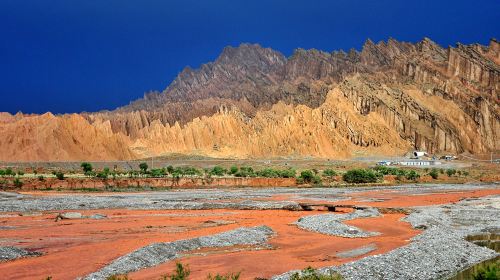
[[440, 100]]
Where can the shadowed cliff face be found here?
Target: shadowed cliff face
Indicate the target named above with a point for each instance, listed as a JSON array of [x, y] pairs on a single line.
[[254, 102]]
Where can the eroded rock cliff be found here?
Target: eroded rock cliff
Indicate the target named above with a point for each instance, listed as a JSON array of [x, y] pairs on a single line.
[[254, 102]]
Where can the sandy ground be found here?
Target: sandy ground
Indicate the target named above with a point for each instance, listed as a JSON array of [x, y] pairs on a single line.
[[78, 247]]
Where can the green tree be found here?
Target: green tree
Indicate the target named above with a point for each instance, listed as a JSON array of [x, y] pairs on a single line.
[[158, 173], [288, 173], [59, 175], [218, 171], [233, 170], [143, 167], [307, 176], [450, 172], [18, 183], [434, 173], [358, 176], [412, 175], [330, 173], [86, 167], [170, 169], [9, 172]]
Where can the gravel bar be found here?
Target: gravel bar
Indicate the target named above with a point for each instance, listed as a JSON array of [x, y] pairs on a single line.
[[8, 253], [332, 224], [159, 253]]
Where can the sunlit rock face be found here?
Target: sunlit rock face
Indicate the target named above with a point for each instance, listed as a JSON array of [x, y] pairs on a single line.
[[254, 102]]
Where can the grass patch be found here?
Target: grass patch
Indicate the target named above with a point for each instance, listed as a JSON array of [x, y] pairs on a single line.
[[312, 274]]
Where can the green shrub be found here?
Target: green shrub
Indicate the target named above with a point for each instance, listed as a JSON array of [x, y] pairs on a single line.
[[86, 167], [2, 172], [102, 175], [143, 167], [412, 175], [268, 173], [233, 170], [358, 176], [181, 273], [434, 173], [382, 169], [311, 274], [307, 176], [245, 171], [17, 183], [218, 171], [231, 276], [288, 173], [329, 173], [118, 277], [157, 173], [59, 175], [20, 173], [41, 178], [170, 169], [185, 171], [9, 172], [490, 272], [450, 172], [189, 171]]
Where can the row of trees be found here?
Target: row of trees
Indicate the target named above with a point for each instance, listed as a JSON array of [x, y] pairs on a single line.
[[9, 172], [306, 176]]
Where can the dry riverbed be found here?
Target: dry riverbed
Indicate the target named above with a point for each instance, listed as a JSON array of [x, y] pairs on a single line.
[[258, 232]]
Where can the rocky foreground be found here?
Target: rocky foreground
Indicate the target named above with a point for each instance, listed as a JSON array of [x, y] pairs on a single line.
[[254, 102], [439, 252]]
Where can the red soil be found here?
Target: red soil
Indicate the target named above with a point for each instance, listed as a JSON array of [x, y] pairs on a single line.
[[398, 199], [294, 249], [75, 248]]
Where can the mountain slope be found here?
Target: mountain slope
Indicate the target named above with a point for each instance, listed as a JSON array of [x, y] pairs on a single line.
[[254, 102]]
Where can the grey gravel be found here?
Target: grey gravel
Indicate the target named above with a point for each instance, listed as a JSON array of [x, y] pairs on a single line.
[[357, 252], [332, 224], [158, 253], [8, 253], [70, 215], [97, 216], [238, 199], [439, 252]]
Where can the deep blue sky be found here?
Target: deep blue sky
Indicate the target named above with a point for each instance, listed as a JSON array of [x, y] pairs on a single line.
[[87, 55]]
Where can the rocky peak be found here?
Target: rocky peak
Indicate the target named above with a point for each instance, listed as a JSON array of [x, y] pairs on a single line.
[[252, 55], [374, 55]]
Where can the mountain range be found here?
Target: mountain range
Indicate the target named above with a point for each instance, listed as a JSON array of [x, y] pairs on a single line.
[[253, 102]]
